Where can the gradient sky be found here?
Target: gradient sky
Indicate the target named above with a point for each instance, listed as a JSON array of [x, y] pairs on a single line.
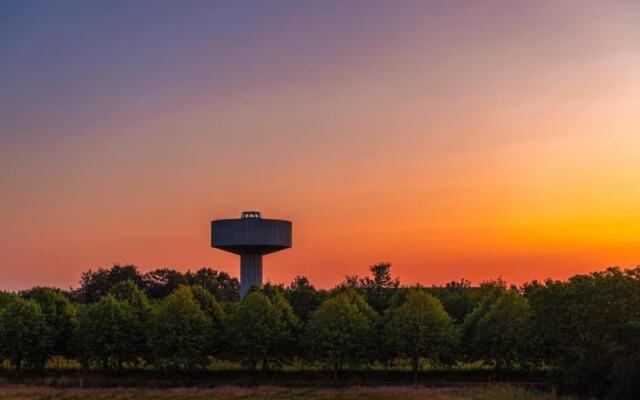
[[450, 138]]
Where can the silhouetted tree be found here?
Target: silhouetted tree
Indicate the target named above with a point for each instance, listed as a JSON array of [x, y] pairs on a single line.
[[95, 284], [220, 284], [303, 297], [380, 287], [160, 282], [458, 298]]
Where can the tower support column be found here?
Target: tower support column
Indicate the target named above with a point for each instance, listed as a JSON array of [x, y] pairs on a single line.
[[250, 272]]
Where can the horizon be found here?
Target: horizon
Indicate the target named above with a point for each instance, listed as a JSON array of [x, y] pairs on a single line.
[[402, 284], [453, 140]]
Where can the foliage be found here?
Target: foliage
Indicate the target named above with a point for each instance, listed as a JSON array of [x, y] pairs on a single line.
[[220, 284], [129, 293], [587, 328], [108, 334], [263, 330], [213, 310], [584, 331], [60, 317], [341, 331], [25, 338], [5, 299], [303, 297], [180, 332], [380, 287], [95, 284], [420, 327], [458, 298], [160, 282], [502, 332]]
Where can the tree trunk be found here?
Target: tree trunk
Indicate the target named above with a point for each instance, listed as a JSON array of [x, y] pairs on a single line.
[[415, 363]]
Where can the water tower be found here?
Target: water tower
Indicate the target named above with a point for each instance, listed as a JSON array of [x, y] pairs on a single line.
[[251, 237]]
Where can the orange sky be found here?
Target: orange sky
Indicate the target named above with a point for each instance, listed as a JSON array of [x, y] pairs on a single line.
[[459, 140]]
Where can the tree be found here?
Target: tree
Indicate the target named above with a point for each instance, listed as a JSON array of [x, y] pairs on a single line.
[[341, 331], [458, 298], [380, 287], [179, 332], [5, 299], [420, 327], [502, 332], [108, 334], [210, 306], [129, 293], [60, 317], [25, 339], [586, 329], [303, 297], [220, 284], [488, 293], [95, 284], [160, 282], [261, 330]]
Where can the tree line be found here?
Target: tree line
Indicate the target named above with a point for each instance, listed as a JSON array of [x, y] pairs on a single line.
[[585, 331]]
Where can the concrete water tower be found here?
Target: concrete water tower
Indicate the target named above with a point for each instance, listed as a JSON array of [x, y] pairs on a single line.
[[251, 237]]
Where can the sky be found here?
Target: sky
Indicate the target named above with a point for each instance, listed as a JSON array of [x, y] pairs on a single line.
[[453, 139]]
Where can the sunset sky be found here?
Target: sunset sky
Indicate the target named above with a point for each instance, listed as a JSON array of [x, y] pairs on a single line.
[[451, 138]]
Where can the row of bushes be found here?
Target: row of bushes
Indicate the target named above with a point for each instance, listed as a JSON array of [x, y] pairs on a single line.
[[586, 330]]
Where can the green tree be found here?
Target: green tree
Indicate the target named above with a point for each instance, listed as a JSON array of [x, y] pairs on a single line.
[[179, 332], [488, 293], [341, 331], [586, 329], [458, 298], [214, 311], [25, 339], [502, 332], [420, 327], [5, 299], [380, 287], [303, 297], [220, 284], [261, 330], [107, 334], [60, 316], [95, 284], [160, 282], [129, 293]]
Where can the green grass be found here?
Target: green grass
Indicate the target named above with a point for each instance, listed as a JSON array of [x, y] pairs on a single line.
[[488, 392]]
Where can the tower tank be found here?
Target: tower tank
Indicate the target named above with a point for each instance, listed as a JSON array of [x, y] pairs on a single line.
[[251, 237]]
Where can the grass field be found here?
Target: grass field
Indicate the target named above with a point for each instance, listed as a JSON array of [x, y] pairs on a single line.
[[488, 392]]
